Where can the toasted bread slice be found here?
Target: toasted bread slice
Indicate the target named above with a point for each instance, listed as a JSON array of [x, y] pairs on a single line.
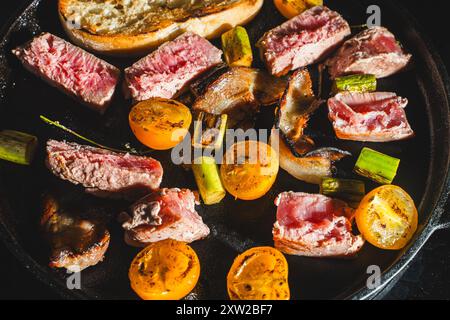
[[136, 27]]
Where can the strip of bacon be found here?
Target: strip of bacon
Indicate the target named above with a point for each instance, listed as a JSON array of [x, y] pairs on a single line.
[[372, 117], [314, 226]]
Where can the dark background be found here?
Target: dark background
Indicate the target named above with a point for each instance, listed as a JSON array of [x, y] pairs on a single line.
[[427, 278]]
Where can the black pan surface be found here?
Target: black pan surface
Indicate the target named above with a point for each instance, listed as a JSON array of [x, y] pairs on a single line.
[[235, 225]]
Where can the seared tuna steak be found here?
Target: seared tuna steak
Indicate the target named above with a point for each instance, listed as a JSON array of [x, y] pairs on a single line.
[[373, 51], [77, 241], [303, 40], [70, 69], [166, 71], [164, 214], [372, 117], [314, 226], [102, 172]]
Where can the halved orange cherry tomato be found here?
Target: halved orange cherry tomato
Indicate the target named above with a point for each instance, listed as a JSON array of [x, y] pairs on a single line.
[[249, 170], [292, 8], [160, 123], [387, 217], [259, 274], [165, 270]]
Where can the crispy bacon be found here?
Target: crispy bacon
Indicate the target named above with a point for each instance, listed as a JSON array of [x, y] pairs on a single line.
[[314, 226], [164, 214], [373, 117]]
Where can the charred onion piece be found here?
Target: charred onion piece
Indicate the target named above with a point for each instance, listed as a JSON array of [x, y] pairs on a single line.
[[240, 92], [311, 169], [209, 130], [377, 166], [236, 47], [77, 241]]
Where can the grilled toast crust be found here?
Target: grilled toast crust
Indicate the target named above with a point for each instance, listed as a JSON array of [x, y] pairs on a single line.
[[128, 35]]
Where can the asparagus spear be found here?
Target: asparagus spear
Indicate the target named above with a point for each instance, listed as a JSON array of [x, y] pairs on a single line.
[[208, 181], [17, 147], [377, 166]]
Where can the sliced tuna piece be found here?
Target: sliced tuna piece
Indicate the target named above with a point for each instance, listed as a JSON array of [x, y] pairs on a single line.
[[372, 117], [373, 51], [77, 241], [166, 71], [314, 226], [102, 172], [164, 214], [303, 40], [296, 107], [70, 69]]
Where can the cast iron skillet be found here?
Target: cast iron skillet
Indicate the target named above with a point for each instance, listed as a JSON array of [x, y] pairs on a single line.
[[235, 225]]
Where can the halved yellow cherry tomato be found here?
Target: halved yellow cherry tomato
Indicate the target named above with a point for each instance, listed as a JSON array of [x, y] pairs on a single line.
[[249, 169], [259, 274], [387, 217], [292, 8], [160, 123], [165, 270]]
